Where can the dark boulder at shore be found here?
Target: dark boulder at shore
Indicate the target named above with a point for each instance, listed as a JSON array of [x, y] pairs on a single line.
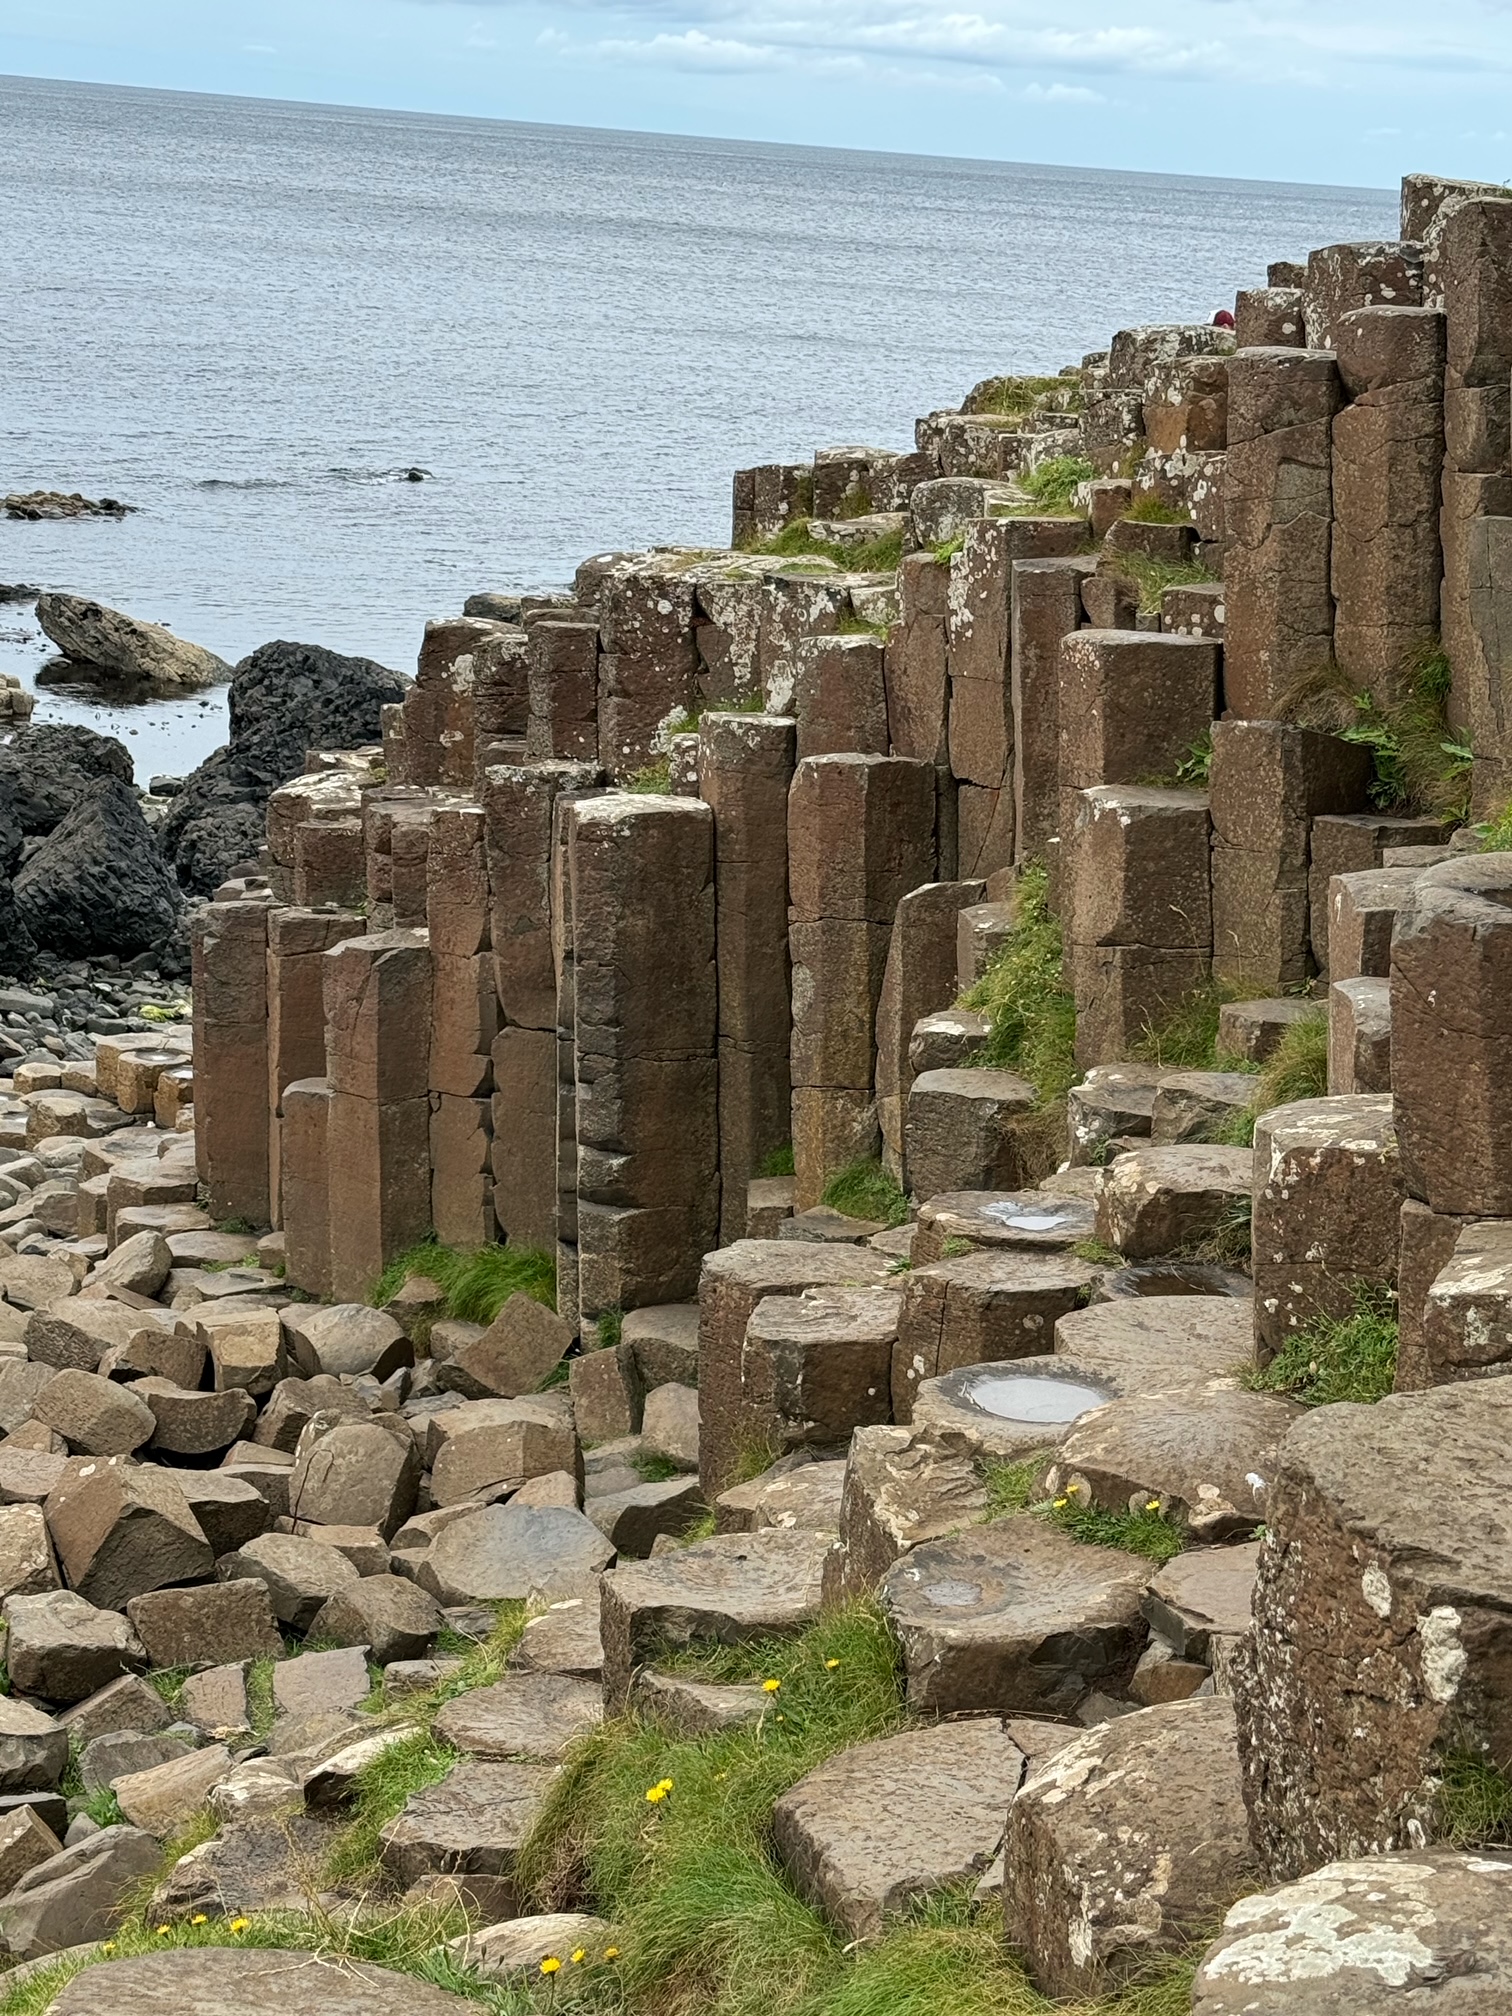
[[285, 699], [98, 882], [45, 770]]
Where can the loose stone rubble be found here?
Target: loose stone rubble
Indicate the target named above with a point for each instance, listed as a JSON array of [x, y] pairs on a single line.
[[636, 898]]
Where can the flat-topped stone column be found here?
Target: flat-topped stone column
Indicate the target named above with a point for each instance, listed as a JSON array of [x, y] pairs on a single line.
[[918, 979], [645, 1014], [1046, 607], [297, 939], [464, 1026], [745, 769], [229, 949]]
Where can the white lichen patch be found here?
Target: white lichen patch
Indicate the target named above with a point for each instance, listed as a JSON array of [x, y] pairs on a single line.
[[1366, 1916], [1444, 1658], [1376, 1590]]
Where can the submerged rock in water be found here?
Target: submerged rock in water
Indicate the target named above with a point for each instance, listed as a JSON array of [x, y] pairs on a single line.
[[285, 699], [87, 633], [61, 504], [98, 883]]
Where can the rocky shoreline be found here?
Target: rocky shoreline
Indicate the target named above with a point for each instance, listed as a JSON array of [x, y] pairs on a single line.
[[817, 1314]]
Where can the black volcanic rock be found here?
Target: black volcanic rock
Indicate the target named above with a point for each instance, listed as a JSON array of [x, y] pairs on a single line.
[[285, 699], [44, 771], [98, 883]]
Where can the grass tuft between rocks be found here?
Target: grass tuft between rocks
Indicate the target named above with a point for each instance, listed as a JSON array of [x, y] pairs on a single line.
[[476, 1284], [876, 556], [1186, 1039], [1016, 1487], [379, 1794], [1051, 484], [1029, 1009], [1352, 1358], [1421, 764], [779, 1162], [865, 1190], [1474, 1805]]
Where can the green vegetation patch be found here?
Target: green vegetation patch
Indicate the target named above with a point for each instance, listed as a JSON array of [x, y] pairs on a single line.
[[1421, 764], [655, 780], [1334, 1359], [1016, 397], [476, 1284], [778, 1163], [1051, 484], [1149, 509], [1496, 834], [1017, 1488], [865, 1190], [1474, 1804], [1153, 577], [874, 556], [1023, 994]]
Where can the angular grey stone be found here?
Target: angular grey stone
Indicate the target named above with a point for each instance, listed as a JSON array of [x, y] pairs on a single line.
[[729, 1589], [529, 1715], [26, 1841], [129, 1704], [78, 1896], [1428, 1928], [474, 1822], [513, 1356], [900, 1489], [301, 1574], [318, 1681], [222, 1981], [110, 1757], [692, 1708], [393, 1618], [1203, 1594], [229, 1510], [507, 1553], [160, 1799], [246, 1868], [94, 1415], [564, 1639], [216, 1701], [881, 1825], [26, 1557], [357, 1475], [495, 1445], [519, 1945], [345, 1337], [217, 1622], [122, 1528], [669, 1424], [806, 1495], [633, 1520], [193, 1423], [1165, 1200], [62, 1648], [1125, 1844], [1014, 1616], [33, 1747]]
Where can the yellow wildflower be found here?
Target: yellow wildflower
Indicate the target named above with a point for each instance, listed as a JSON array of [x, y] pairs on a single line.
[[611, 1952], [1152, 1505], [1061, 1504], [656, 1793], [199, 1918], [770, 1686], [551, 1964], [239, 1924], [830, 1665], [162, 1932], [108, 1947], [580, 1954]]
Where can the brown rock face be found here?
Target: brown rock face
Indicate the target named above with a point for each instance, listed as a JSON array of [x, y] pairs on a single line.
[[1328, 1200], [1467, 1316], [1451, 1017], [826, 1357], [1125, 1842], [1383, 1559], [962, 1134], [124, 1529], [1160, 1200], [980, 1309]]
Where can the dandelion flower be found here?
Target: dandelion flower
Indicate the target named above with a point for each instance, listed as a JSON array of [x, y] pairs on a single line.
[[239, 1924], [611, 1952], [770, 1686], [199, 1918], [551, 1964], [782, 1718], [580, 1954], [162, 1932], [830, 1665], [656, 1793], [1152, 1505], [108, 1947], [1061, 1504]]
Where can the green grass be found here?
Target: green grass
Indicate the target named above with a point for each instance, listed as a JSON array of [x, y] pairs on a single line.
[[1052, 483], [1016, 397], [1496, 834], [956, 1249], [484, 1660], [1195, 770], [857, 626], [1186, 1039], [609, 1328], [947, 549], [1144, 1532], [1153, 577], [1474, 1805], [477, 1284], [876, 556], [1149, 510], [260, 1705], [1096, 1254], [1353, 1358], [1421, 766], [1030, 1012], [655, 1469], [1296, 1069], [1012, 1487], [379, 1793], [865, 1190], [778, 1163], [654, 780]]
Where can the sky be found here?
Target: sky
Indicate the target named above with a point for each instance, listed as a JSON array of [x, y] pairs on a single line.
[[1340, 91]]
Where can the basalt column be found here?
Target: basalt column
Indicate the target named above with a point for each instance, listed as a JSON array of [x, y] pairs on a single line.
[[860, 836], [1279, 512], [745, 768], [464, 1025], [645, 1015], [1388, 451], [1046, 607], [378, 1017], [297, 939], [518, 806], [1475, 265], [230, 981]]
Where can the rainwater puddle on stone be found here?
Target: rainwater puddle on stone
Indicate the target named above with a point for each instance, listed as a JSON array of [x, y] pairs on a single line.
[[953, 1595], [1024, 1219], [1017, 1397]]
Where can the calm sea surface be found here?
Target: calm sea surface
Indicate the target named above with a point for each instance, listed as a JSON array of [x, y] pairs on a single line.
[[247, 318]]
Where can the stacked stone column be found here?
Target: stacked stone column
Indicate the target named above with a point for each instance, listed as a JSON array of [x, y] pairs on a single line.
[[518, 808], [645, 1015], [297, 942], [464, 1028], [229, 944], [1047, 606], [1278, 500], [745, 769], [647, 670], [377, 993], [1388, 449], [919, 979], [860, 836], [1475, 267]]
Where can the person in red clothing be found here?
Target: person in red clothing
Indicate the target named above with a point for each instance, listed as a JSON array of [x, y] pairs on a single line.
[[1223, 318]]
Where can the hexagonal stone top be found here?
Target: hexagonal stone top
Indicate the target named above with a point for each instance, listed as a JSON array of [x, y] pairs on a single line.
[[228, 1981]]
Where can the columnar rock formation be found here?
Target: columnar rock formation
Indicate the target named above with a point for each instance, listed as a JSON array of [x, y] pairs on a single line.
[[652, 883]]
